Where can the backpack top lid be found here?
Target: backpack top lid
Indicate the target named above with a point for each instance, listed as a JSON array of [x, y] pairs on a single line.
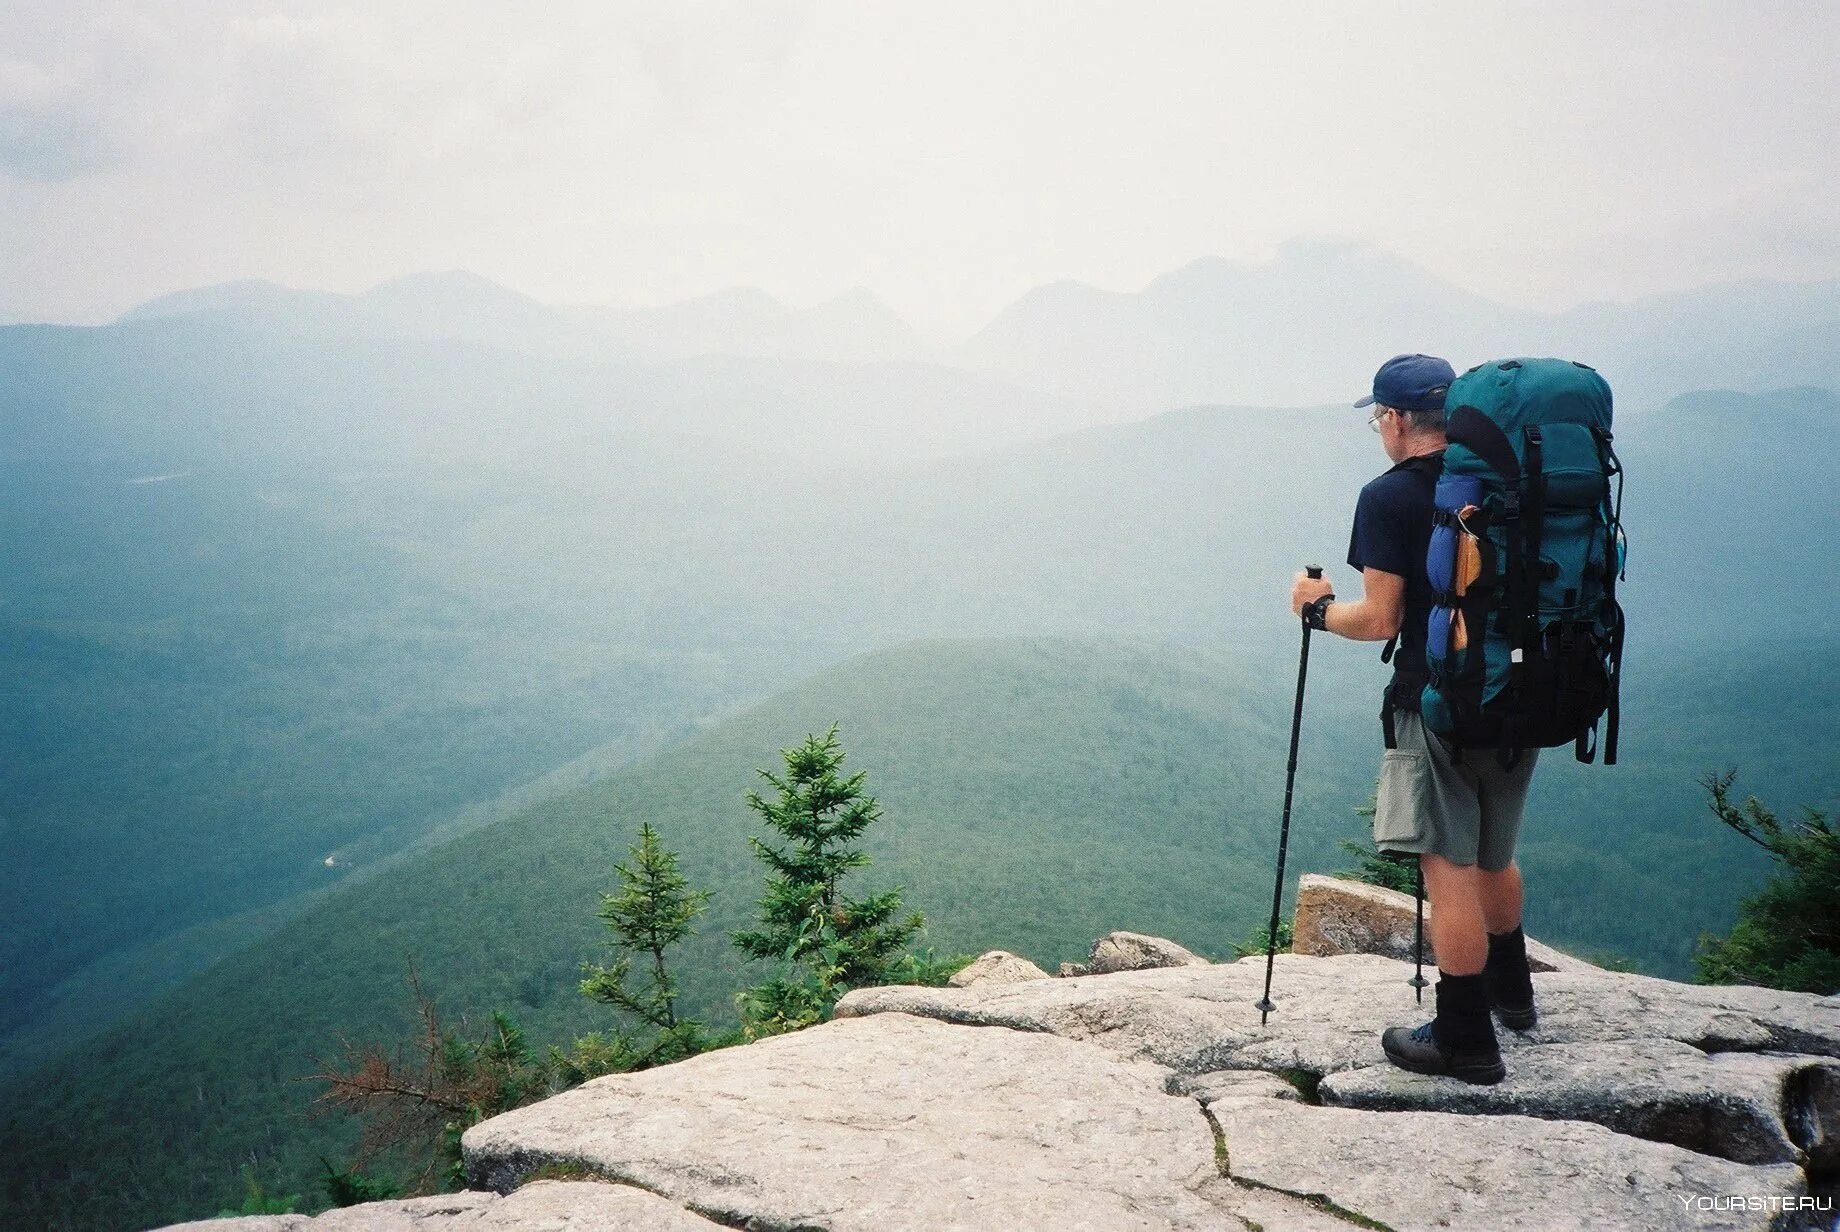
[[1490, 406], [1516, 393]]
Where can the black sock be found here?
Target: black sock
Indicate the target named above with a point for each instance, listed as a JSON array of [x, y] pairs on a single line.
[[1463, 1012], [1509, 980], [1517, 940]]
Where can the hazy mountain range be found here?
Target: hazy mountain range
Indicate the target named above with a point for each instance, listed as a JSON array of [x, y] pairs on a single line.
[[744, 321], [1297, 329], [1302, 327]]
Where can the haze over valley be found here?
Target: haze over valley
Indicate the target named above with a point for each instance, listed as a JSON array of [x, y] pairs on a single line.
[[302, 579]]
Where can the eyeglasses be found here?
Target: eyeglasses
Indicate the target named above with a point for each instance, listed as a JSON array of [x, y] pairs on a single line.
[[1373, 421]]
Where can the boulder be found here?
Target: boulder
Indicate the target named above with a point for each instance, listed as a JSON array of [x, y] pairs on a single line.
[[1121, 951], [539, 1205], [996, 967], [1072, 969], [1339, 916], [884, 1122], [1439, 1170]]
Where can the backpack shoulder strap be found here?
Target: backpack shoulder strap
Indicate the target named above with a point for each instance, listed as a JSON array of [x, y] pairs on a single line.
[[1431, 463]]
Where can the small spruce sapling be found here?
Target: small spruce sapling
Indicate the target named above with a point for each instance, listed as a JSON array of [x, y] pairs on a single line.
[[825, 941], [653, 911]]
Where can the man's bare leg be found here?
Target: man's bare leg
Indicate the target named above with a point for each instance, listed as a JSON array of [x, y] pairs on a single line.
[[1501, 898], [1457, 929]]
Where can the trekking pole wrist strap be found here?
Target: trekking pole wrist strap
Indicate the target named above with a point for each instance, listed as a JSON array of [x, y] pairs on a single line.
[[1316, 613]]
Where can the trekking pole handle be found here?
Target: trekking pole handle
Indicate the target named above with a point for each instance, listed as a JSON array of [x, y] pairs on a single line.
[[1315, 573]]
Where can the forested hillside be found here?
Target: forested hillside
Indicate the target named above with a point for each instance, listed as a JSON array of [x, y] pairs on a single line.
[[1036, 794]]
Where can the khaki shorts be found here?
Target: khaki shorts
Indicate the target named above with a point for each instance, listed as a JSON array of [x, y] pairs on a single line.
[[1462, 806]]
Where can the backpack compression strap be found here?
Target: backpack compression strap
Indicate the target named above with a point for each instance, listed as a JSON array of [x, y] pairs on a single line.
[[1533, 519], [1613, 526]]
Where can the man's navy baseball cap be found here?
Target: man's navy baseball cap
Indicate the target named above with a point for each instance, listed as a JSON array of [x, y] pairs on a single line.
[[1411, 383]]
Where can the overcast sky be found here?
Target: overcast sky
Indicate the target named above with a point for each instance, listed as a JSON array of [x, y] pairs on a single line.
[[947, 156]]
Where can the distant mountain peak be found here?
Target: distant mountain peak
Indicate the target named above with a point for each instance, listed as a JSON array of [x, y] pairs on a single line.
[[752, 298], [446, 283], [860, 298], [1337, 248], [1300, 263], [238, 296], [860, 308]]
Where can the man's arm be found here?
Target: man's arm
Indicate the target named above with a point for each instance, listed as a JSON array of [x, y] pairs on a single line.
[[1374, 617]]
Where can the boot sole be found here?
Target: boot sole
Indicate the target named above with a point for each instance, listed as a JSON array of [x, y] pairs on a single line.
[[1517, 1020], [1482, 1075]]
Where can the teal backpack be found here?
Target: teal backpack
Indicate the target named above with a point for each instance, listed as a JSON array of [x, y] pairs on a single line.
[[1524, 647]]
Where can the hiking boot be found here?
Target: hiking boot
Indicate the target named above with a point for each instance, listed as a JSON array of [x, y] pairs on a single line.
[[1459, 1042], [1509, 982]]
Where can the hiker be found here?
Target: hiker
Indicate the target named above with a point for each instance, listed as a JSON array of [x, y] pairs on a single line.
[[1459, 815]]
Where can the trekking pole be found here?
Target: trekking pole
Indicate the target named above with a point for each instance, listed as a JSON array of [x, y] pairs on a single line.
[[1284, 830], [1418, 980]]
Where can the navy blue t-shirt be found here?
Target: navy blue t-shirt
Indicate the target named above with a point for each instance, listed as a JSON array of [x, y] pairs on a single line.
[[1392, 532]]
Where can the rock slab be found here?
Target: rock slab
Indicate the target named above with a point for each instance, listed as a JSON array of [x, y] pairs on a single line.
[[1154, 1098], [1330, 1012], [1439, 1170], [541, 1206], [1753, 1108], [889, 1122]]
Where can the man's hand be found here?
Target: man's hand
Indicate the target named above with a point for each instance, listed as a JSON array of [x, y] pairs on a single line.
[[1306, 589]]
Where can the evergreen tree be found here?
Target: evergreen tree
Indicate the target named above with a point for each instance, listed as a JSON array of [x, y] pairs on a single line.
[[258, 1201], [1259, 939], [826, 941], [1787, 934], [350, 1186], [653, 911]]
